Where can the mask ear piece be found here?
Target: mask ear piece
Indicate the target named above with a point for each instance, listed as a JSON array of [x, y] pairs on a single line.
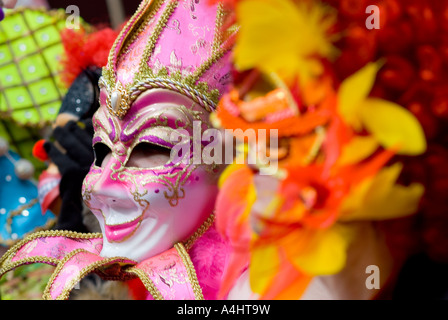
[[100, 151]]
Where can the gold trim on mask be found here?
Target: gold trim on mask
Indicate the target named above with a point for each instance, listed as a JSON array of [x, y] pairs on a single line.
[[127, 273], [192, 276], [5, 261], [68, 287], [182, 249], [120, 99], [202, 229]]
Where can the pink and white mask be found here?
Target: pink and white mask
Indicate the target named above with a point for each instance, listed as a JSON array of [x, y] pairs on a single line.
[[168, 67], [144, 202]]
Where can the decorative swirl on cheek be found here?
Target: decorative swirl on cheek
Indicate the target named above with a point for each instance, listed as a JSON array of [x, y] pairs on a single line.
[[135, 187], [116, 168], [88, 183], [170, 179]]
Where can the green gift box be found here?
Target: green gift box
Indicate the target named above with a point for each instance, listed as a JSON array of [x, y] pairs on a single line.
[[30, 50]]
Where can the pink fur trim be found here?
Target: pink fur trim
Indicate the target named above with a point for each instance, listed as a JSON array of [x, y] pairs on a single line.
[[209, 255]]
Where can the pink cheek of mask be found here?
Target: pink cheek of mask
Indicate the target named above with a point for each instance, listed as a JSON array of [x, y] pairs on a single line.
[[184, 215]]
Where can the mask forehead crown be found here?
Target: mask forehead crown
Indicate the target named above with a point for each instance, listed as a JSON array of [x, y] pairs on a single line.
[[177, 45]]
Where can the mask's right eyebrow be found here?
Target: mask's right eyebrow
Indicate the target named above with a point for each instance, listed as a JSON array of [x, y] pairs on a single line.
[[151, 118]]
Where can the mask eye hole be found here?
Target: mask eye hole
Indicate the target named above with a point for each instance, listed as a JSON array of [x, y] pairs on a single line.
[[101, 151], [147, 155]]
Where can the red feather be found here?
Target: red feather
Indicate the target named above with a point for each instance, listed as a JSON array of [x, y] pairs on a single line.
[[83, 50]]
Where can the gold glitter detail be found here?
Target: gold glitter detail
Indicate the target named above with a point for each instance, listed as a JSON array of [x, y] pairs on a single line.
[[7, 265], [202, 229], [68, 287], [145, 78], [192, 276], [147, 282]]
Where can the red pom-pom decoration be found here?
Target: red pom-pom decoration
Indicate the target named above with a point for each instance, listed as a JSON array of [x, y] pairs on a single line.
[[39, 151]]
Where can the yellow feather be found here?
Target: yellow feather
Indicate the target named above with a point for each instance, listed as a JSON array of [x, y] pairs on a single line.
[[281, 36], [354, 90], [393, 126], [379, 198]]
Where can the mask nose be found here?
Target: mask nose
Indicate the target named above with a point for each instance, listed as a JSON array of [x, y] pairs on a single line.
[[110, 188]]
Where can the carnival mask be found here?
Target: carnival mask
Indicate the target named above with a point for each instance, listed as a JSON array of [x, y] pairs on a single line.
[[144, 201], [165, 74]]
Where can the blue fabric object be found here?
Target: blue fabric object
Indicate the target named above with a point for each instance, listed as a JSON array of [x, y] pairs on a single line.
[[20, 212]]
